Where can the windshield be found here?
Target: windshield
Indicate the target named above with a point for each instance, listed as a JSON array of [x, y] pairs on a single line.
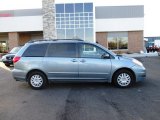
[[15, 50]]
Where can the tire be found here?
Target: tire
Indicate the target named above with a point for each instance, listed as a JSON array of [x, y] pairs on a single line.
[[7, 65], [123, 79], [37, 80]]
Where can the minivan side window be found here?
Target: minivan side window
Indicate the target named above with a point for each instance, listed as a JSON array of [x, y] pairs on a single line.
[[62, 50], [36, 50], [90, 51]]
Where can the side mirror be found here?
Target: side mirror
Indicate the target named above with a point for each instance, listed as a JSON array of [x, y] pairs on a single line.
[[105, 56]]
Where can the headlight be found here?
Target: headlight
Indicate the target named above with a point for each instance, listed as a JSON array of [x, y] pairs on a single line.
[[3, 58], [137, 62]]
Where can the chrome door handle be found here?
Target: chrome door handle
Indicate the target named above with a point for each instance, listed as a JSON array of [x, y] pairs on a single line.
[[74, 60], [82, 60]]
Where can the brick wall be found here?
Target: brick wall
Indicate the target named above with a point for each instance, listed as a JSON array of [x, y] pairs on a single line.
[[135, 41], [24, 37], [13, 39], [101, 38]]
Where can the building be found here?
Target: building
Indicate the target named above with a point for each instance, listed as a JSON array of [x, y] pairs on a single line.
[[116, 27], [152, 41]]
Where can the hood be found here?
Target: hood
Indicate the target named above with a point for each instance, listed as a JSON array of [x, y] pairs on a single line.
[[122, 57]]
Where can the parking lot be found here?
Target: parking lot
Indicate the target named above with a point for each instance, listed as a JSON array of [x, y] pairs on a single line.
[[82, 101]]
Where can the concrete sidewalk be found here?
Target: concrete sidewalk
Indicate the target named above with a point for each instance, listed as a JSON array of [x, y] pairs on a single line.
[[141, 54]]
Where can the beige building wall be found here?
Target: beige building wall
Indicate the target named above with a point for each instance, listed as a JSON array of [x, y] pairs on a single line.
[[24, 37], [13, 40], [135, 41], [27, 36], [17, 39], [101, 38]]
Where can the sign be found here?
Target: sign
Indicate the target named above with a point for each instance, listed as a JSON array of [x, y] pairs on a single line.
[[5, 15]]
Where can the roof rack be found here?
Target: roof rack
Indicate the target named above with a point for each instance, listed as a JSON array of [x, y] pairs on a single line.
[[41, 40], [32, 41]]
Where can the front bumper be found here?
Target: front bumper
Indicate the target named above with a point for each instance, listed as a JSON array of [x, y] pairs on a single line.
[[140, 72]]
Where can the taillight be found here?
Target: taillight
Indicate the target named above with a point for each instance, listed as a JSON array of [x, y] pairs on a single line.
[[16, 59]]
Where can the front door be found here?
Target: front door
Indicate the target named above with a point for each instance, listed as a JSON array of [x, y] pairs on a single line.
[[91, 63]]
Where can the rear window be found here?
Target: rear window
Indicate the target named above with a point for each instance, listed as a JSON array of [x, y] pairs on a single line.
[[37, 50], [62, 50]]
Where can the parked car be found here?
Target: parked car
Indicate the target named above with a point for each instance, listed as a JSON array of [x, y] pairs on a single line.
[[8, 58], [158, 52], [39, 62]]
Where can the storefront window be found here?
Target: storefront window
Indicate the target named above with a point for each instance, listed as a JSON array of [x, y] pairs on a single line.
[[117, 40], [3, 46]]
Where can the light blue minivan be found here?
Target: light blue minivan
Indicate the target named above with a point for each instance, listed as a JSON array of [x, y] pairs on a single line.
[[41, 61]]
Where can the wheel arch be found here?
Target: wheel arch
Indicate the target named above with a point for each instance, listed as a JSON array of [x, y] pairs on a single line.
[[36, 70], [134, 75]]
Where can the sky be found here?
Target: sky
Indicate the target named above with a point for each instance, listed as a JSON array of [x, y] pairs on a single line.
[[151, 9]]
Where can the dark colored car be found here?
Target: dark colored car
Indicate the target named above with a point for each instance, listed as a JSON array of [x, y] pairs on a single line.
[[158, 52], [8, 58]]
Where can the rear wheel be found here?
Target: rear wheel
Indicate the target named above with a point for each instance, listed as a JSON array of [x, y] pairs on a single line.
[[37, 80], [123, 78]]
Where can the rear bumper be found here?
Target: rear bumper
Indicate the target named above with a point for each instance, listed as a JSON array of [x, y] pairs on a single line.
[[19, 79], [19, 75]]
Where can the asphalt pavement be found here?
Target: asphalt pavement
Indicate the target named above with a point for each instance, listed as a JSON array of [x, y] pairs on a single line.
[[82, 101]]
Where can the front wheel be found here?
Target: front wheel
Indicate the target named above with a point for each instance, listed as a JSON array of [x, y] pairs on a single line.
[[37, 80], [123, 79]]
